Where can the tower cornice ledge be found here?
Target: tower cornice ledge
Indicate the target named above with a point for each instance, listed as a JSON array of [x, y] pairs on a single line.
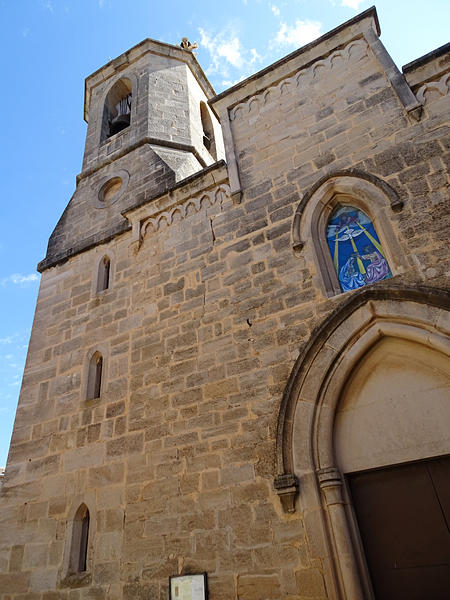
[[130, 56], [304, 56]]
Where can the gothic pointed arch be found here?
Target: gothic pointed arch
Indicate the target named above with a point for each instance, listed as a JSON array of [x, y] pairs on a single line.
[[344, 225], [311, 461]]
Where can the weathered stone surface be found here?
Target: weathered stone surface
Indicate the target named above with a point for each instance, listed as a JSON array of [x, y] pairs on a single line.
[[207, 309]]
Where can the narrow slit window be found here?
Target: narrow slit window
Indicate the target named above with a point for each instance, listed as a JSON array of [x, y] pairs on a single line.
[[104, 271], [95, 376], [208, 130], [356, 251], [80, 539]]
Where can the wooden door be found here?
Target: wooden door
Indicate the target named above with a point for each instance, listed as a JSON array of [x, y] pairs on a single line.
[[403, 514]]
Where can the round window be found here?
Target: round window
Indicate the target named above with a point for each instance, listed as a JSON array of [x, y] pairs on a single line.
[[109, 190]]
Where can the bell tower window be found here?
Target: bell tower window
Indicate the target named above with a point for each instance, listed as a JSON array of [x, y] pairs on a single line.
[[117, 109]]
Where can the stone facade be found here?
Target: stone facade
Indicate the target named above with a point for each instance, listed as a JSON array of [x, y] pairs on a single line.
[[210, 445]]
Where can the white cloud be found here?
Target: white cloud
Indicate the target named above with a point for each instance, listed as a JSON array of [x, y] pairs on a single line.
[[47, 4], [7, 340], [275, 10], [230, 82], [18, 279], [299, 34], [255, 56], [229, 58], [224, 50], [352, 3], [231, 52]]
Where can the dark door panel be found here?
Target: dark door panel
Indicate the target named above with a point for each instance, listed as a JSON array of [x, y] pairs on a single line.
[[402, 516]]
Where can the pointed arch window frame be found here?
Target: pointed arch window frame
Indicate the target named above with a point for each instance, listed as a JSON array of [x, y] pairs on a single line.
[[354, 188]]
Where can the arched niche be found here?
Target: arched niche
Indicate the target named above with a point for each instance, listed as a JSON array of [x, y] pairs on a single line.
[[117, 108], [314, 454], [363, 192]]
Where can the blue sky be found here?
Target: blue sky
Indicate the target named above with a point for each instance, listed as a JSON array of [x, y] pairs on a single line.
[[48, 47]]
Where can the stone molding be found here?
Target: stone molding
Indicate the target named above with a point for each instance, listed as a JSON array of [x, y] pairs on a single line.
[[190, 205], [305, 441], [367, 296], [442, 86], [356, 48], [360, 189]]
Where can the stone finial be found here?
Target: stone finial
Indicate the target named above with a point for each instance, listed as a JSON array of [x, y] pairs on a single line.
[[186, 44]]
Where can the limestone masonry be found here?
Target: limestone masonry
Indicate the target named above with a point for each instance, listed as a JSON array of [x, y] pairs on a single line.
[[202, 394]]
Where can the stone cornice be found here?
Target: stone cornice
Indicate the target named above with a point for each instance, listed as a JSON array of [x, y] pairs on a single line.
[[180, 210], [133, 54], [356, 49], [441, 86]]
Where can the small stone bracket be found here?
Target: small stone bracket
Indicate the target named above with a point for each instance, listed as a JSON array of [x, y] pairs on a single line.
[[286, 486]]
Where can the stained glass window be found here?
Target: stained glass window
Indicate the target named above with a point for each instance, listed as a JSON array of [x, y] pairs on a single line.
[[355, 248]]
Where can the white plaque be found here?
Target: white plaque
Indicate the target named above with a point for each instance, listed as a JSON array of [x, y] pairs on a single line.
[[188, 587]]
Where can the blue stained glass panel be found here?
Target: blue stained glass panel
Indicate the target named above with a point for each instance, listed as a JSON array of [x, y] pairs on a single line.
[[355, 249]]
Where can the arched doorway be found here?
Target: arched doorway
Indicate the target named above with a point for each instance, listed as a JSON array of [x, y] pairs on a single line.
[[391, 429], [367, 408]]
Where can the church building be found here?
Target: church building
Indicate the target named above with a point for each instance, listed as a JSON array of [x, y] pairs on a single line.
[[238, 379]]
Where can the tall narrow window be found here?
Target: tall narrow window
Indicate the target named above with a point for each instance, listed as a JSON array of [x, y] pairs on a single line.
[[80, 538], [355, 249], [208, 130], [95, 376], [104, 270], [117, 109]]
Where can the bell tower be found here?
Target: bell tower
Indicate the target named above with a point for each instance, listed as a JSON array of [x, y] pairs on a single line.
[[149, 127]]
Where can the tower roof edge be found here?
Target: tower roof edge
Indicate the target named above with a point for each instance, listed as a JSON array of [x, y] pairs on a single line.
[[130, 56]]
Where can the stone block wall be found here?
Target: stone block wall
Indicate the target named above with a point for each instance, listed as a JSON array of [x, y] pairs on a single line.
[[207, 311]]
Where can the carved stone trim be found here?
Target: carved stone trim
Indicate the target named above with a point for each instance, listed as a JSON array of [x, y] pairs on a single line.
[[286, 486], [442, 86], [182, 210], [395, 201], [356, 48], [425, 295]]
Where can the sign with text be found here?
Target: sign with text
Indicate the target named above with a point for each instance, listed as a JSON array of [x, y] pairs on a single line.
[[188, 587]]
